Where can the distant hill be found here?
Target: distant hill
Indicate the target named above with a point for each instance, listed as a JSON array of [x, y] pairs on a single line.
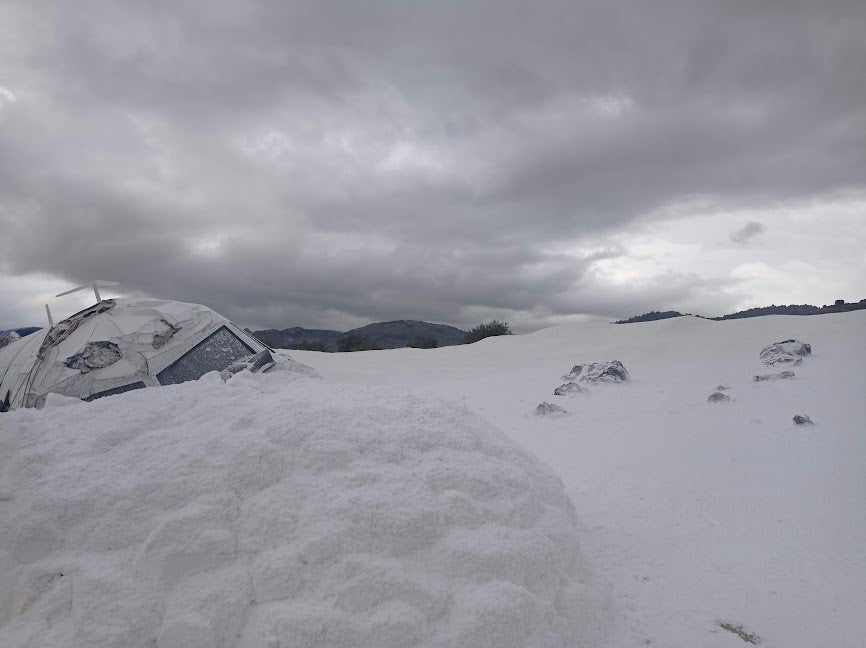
[[839, 306], [293, 338], [23, 332], [796, 309], [400, 333], [13, 335], [389, 335]]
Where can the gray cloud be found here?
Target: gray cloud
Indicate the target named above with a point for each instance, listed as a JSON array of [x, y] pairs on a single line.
[[308, 162], [747, 232]]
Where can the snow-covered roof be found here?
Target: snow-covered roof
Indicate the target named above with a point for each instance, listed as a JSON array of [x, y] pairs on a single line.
[[118, 345]]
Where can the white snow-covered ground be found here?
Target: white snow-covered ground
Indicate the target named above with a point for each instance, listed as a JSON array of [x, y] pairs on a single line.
[[376, 507], [278, 510], [695, 512]]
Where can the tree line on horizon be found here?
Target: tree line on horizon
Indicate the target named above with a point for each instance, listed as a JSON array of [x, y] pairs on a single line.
[[839, 306]]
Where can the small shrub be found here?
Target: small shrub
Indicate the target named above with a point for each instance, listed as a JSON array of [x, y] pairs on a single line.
[[488, 329]]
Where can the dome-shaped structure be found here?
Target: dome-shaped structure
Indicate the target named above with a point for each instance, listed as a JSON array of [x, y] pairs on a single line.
[[118, 345]]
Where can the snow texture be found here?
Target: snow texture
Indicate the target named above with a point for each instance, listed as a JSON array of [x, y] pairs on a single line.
[[273, 510], [785, 352]]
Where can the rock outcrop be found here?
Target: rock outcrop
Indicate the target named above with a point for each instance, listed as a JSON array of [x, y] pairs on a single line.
[[785, 352], [545, 408], [570, 389], [598, 372]]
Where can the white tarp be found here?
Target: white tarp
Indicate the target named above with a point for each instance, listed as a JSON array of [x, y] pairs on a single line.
[[117, 345]]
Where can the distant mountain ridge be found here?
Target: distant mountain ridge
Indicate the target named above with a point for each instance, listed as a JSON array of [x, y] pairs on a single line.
[[840, 306], [23, 332], [395, 334], [802, 309]]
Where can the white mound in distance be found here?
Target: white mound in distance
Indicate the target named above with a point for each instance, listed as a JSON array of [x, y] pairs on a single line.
[[274, 510]]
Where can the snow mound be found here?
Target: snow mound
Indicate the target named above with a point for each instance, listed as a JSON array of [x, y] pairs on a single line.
[[266, 511], [598, 372], [785, 352]]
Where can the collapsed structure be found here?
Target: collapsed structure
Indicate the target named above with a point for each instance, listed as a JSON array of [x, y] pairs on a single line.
[[118, 345]]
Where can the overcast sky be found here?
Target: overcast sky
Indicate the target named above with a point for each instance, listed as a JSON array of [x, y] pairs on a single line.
[[329, 164]]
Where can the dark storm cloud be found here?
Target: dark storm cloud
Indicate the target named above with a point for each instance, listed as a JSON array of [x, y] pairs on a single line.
[[289, 162], [747, 232]]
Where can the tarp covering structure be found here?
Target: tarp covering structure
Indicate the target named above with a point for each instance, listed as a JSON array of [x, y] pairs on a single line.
[[117, 345]]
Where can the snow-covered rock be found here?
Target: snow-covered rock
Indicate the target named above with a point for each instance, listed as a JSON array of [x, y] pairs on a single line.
[[265, 511], [570, 389], [598, 372], [718, 397], [785, 352], [782, 375], [802, 419], [545, 409]]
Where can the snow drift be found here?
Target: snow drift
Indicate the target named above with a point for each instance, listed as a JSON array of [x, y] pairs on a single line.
[[274, 510]]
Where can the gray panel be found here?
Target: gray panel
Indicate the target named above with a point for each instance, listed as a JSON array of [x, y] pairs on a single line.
[[117, 390], [214, 353]]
